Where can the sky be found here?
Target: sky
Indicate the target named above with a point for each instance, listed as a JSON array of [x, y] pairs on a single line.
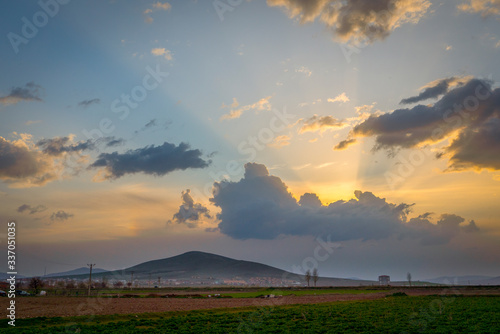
[[358, 137]]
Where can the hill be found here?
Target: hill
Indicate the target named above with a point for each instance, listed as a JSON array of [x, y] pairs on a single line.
[[202, 268], [78, 271]]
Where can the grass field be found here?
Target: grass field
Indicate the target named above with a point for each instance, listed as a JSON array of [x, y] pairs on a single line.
[[302, 292], [428, 314]]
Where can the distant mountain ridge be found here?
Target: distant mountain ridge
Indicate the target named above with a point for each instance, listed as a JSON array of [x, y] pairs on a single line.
[[210, 268], [78, 271]]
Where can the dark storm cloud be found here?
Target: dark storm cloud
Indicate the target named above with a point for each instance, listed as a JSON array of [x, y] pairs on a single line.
[[190, 212], [447, 227], [86, 103], [152, 160], [259, 206], [59, 145], [355, 20], [31, 209], [472, 109], [477, 147], [433, 91], [30, 92], [61, 216]]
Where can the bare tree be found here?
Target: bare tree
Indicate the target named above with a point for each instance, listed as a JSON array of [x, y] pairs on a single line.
[[315, 276], [308, 276], [408, 276], [118, 284], [36, 284]]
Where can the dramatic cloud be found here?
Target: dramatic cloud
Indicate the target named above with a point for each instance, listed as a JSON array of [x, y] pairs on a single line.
[[340, 98], [485, 7], [23, 165], [319, 123], [354, 20], [259, 206], [472, 110], [30, 92], [235, 112], [151, 160], [59, 145], [435, 89], [60, 216], [190, 212], [167, 54], [31, 209]]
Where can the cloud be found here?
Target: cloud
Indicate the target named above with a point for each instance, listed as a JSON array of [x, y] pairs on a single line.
[[340, 98], [23, 165], [61, 216], [31, 209], [86, 103], [262, 104], [58, 145], [112, 141], [485, 7], [344, 144], [164, 6], [190, 213], [167, 54], [280, 141], [151, 160], [304, 70], [467, 115], [259, 206], [156, 6], [319, 123], [30, 92], [354, 20], [435, 89]]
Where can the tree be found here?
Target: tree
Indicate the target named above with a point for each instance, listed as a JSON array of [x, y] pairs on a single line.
[[82, 285], [118, 284], [36, 285], [308, 276], [408, 276], [315, 276]]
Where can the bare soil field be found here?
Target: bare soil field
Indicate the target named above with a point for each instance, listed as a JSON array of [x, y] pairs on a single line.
[[60, 306]]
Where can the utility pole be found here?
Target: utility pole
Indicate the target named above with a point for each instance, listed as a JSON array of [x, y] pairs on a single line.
[[159, 281], [131, 279], [149, 282], [90, 276]]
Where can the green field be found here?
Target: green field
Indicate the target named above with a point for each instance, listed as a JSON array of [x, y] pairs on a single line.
[[299, 292], [429, 314]]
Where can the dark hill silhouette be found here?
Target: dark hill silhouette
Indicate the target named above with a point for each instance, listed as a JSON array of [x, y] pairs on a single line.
[[211, 269], [205, 264]]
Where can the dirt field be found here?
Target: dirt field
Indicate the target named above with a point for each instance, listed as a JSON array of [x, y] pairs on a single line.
[[28, 307]]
